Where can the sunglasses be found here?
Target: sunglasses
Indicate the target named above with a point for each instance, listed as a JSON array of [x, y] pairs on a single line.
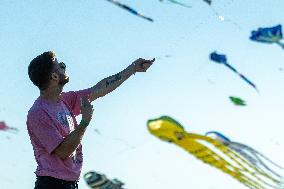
[[61, 65]]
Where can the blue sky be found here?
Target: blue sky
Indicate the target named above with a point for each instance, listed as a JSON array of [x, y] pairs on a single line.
[[97, 39]]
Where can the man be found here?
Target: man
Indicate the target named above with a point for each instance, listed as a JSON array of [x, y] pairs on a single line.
[[52, 127]]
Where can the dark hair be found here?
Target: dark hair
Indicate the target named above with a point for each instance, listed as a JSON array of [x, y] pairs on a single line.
[[40, 69]]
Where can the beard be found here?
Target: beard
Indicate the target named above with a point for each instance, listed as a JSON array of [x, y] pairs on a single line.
[[63, 79]]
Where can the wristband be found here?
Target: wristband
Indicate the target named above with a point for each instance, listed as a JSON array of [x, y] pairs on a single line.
[[84, 123]]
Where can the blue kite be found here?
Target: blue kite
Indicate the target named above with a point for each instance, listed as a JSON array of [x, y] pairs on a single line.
[[268, 35], [208, 1], [222, 59]]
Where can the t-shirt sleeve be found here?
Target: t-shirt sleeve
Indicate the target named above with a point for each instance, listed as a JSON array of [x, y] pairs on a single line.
[[72, 98], [43, 130]]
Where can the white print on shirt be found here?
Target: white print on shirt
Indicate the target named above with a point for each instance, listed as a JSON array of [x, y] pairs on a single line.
[[77, 156], [65, 119]]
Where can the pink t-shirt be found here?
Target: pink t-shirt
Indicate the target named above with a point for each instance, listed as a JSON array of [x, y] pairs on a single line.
[[48, 124]]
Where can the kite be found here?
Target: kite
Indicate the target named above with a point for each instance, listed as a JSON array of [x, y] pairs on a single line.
[[4, 127], [237, 101], [253, 156], [268, 35], [221, 59], [131, 10], [100, 181], [214, 153], [208, 1], [178, 3]]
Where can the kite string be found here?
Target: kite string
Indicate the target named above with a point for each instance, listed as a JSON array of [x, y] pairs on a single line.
[[124, 142], [222, 18], [115, 139]]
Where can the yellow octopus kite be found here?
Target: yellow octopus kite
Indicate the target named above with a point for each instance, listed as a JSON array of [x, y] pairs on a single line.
[[214, 153]]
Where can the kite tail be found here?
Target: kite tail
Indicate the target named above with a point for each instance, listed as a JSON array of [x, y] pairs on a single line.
[[258, 153], [179, 3], [239, 160], [129, 9], [250, 183], [258, 171], [280, 44], [12, 130], [240, 147], [145, 17], [249, 82], [270, 161], [242, 76], [208, 156]]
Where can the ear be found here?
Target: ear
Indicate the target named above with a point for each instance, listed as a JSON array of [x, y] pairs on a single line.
[[54, 76]]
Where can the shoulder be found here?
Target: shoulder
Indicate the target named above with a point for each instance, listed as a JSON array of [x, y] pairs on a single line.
[[36, 113], [35, 109]]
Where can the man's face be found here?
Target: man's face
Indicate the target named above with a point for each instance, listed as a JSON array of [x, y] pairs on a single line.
[[59, 69]]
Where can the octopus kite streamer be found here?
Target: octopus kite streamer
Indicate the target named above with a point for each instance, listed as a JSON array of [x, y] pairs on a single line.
[[214, 153], [253, 156]]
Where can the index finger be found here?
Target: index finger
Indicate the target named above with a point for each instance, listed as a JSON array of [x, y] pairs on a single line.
[[149, 61]]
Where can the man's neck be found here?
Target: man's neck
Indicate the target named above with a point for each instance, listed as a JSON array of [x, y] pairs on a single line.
[[51, 94]]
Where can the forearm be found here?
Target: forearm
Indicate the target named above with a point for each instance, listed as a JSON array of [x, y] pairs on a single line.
[[71, 142], [110, 83]]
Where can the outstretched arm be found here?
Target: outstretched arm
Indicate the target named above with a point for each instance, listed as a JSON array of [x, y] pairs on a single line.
[[110, 83]]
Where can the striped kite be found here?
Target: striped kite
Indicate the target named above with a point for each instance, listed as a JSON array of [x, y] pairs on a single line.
[[131, 10], [221, 59]]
